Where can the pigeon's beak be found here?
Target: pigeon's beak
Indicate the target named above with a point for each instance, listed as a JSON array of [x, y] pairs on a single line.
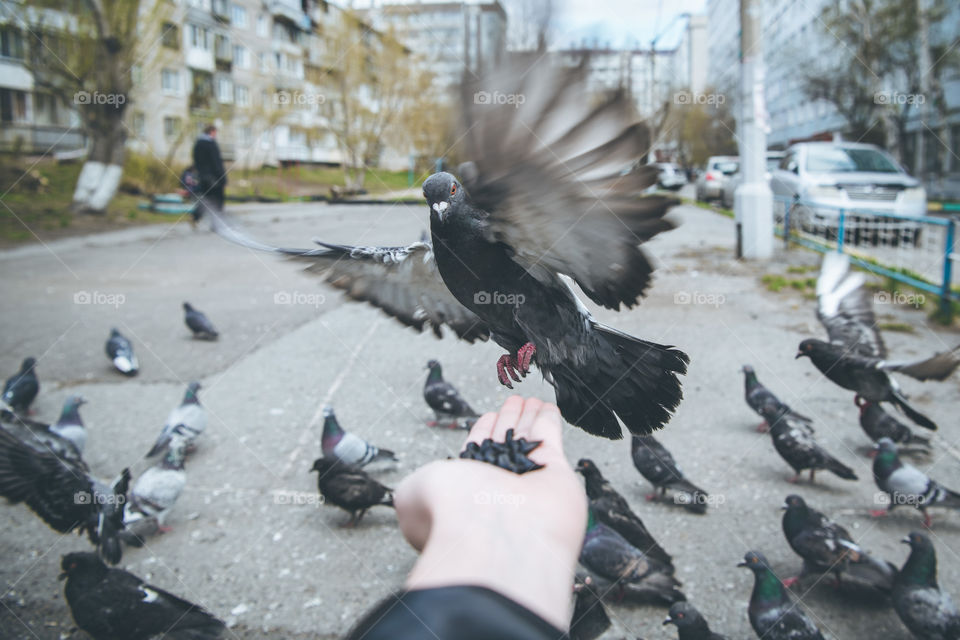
[[667, 620], [800, 354], [62, 576], [441, 209], [784, 506], [743, 564], [905, 540]]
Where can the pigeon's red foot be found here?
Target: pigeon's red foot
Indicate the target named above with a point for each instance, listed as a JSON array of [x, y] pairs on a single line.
[[789, 582], [878, 513], [507, 364], [651, 497], [164, 529], [525, 357], [927, 521], [763, 427], [432, 423], [794, 479]]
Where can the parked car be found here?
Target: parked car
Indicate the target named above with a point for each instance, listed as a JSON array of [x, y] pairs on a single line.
[[828, 176], [670, 176], [718, 169], [734, 181]]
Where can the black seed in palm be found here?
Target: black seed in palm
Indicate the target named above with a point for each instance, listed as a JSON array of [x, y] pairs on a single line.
[[510, 454]]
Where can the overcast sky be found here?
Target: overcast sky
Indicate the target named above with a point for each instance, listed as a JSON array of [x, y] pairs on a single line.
[[623, 22]]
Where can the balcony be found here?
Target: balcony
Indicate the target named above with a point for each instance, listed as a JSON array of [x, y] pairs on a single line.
[[290, 11]]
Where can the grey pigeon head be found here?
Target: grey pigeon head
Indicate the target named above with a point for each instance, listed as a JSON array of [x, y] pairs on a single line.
[[187, 306], [747, 369], [886, 445], [327, 411], [191, 393], [443, 193], [27, 364], [755, 561]]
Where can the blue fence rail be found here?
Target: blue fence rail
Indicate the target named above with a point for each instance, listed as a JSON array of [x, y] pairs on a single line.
[[919, 251]]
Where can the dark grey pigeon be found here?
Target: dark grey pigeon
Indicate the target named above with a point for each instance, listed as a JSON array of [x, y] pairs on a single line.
[[198, 323], [798, 448], [544, 197], [51, 478], [20, 389], [451, 409], [690, 624], [877, 423], [828, 549], [904, 484], [350, 488], [120, 352], [590, 619], [855, 358], [113, 604], [773, 613], [761, 399], [657, 465], [927, 611]]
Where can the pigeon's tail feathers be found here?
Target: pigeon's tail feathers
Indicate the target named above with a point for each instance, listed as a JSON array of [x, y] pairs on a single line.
[[109, 544], [798, 416], [126, 364], [633, 380], [918, 418], [385, 454], [658, 587], [690, 496], [869, 573], [159, 445], [946, 498], [387, 500], [196, 624], [837, 468]]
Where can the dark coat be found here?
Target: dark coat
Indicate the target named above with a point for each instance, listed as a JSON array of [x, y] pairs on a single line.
[[209, 164]]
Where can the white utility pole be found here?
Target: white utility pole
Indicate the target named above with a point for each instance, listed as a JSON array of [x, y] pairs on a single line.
[[753, 200]]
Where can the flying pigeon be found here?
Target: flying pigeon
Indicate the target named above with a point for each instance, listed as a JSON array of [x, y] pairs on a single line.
[[52, 479], [198, 323], [828, 548], [759, 398], [612, 509], [877, 423], [855, 356], [907, 485], [690, 624], [120, 352], [186, 423], [657, 465], [20, 389], [543, 204], [924, 609], [349, 488], [450, 409], [797, 447], [153, 495], [589, 620], [348, 447], [773, 614], [110, 604], [607, 555]]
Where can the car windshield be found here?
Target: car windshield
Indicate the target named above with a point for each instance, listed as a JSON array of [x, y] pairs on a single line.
[[726, 166], [840, 159], [773, 163]]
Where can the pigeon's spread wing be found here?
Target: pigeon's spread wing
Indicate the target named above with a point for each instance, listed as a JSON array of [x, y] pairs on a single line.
[[402, 281], [937, 367], [555, 174], [845, 309]]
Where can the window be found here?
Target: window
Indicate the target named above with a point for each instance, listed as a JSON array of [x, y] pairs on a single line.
[[240, 57], [238, 16], [245, 136], [224, 89], [170, 81], [263, 26], [171, 127], [136, 74], [242, 95], [199, 37], [170, 35], [262, 62], [11, 42], [139, 124]]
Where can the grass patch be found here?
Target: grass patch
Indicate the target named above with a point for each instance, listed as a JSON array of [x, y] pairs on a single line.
[[776, 282], [796, 269], [901, 327], [708, 206]]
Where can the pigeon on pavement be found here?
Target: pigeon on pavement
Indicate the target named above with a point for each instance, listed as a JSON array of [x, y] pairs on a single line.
[[656, 464], [877, 423], [20, 389], [690, 624], [349, 488], [113, 604], [828, 548], [613, 510], [198, 323], [450, 408], [52, 479], [762, 399], [607, 555], [186, 423], [69, 426], [350, 448], [773, 614], [904, 484], [120, 352], [924, 609], [855, 356], [543, 198], [153, 495], [589, 619], [800, 450]]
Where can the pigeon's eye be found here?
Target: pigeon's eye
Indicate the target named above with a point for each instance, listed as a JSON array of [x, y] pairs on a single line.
[[453, 188], [679, 616]]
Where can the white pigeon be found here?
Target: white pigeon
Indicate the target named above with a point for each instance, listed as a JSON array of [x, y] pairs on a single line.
[[153, 495]]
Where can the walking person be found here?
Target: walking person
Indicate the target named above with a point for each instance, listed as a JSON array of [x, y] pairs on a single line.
[[209, 167]]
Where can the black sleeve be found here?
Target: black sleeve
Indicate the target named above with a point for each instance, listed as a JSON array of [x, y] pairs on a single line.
[[452, 613]]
